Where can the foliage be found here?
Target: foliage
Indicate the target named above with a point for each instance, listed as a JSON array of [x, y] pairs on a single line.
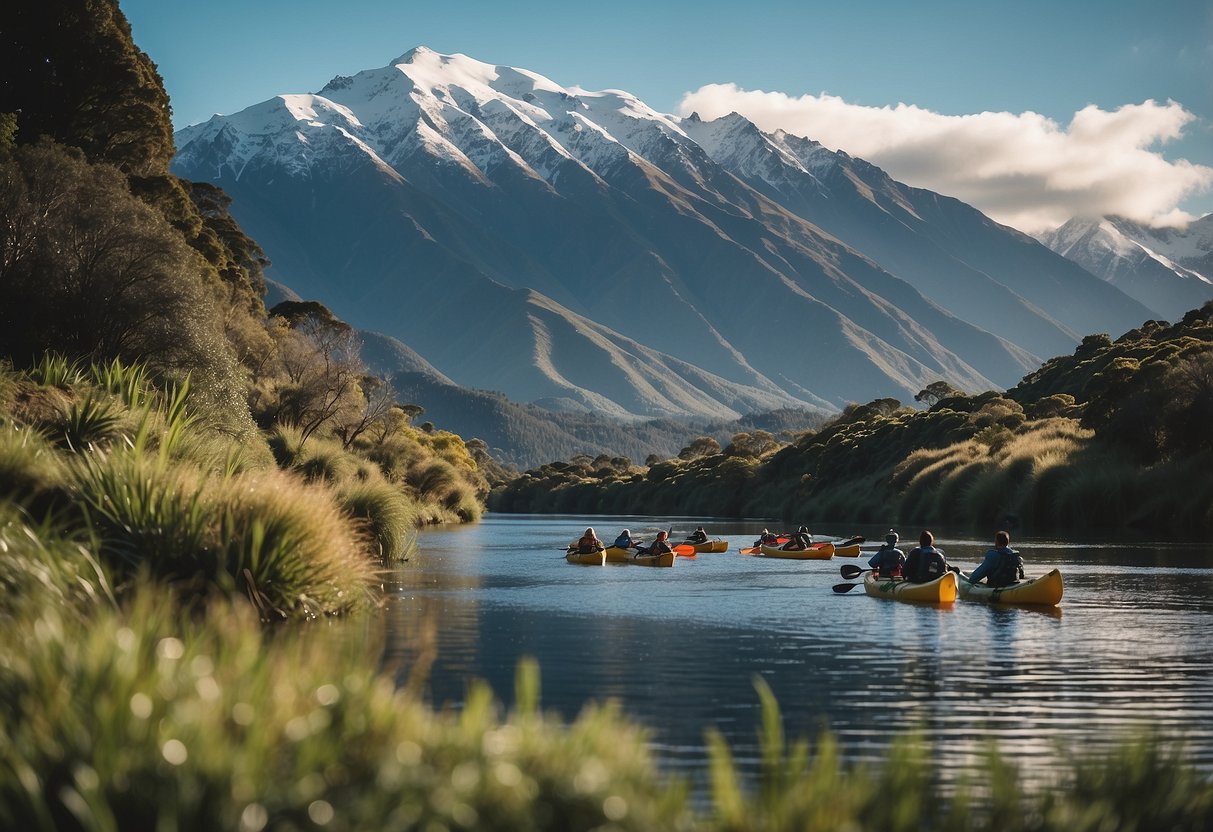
[[72, 73], [1100, 439], [87, 270], [142, 718]]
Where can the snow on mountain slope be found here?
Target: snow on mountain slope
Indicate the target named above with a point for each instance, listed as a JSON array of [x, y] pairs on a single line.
[[1145, 263], [760, 269]]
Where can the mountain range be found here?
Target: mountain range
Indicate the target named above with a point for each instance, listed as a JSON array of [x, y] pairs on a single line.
[[583, 252], [1169, 270]]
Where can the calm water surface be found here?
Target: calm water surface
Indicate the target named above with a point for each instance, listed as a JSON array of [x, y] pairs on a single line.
[[1129, 649]]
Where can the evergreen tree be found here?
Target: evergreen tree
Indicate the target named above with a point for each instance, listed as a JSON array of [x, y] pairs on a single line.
[[70, 70]]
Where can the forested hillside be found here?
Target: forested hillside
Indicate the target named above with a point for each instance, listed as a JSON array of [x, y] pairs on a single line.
[[1116, 435]]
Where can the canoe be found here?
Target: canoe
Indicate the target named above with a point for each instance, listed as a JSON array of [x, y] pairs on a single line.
[[589, 559], [851, 551], [1045, 590], [820, 551], [616, 555], [711, 546], [653, 560], [942, 590]]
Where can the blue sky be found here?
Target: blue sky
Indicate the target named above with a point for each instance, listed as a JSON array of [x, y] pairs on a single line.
[[943, 58]]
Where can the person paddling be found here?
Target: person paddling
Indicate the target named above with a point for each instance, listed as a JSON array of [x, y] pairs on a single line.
[[697, 536], [925, 563], [766, 539], [588, 543], [625, 541], [1003, 565], [799, 542], [888, 560], [658, 547]]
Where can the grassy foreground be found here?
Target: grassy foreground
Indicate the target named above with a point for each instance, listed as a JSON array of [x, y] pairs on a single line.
[[141, 555], [133, 715]]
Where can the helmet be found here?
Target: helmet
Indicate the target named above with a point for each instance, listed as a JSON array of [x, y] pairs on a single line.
[[891, 538], [803, 530], [628, 533]]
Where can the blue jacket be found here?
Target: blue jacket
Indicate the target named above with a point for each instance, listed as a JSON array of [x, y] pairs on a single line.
[[624, 541], [1000, 559]]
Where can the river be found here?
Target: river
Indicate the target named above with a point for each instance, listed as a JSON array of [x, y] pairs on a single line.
[[1128, 650]]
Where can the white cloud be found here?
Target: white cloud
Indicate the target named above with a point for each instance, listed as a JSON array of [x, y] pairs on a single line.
[[1022, 169]]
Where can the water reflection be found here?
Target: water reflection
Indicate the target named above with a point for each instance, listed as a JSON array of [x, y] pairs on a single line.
[[680, 648]]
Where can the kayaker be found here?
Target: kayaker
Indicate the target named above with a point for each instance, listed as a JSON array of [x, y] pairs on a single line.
[[697, 536], [888, 560], [766, 539], [624, 541], [1003, 565], [799, 542], [658, 547], [925, 563], [589, 542]]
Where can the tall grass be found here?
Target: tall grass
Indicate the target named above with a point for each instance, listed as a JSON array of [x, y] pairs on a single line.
[[286, 545], [148, 720], [28, 463], [143, 718], [391, 517]]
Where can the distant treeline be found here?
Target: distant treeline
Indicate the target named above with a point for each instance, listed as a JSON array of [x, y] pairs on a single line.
[[522, 435], [1116, 435]]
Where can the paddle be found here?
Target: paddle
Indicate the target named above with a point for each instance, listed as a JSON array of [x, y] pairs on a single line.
[[848, 571], [685, 550]]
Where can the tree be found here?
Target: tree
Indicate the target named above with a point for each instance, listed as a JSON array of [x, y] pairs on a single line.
[[700, 446], [937, 391], [88, 270], [72, 72], [751, 445], [322, 373]]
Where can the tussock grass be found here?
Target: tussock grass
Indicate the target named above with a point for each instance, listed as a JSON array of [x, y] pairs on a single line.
[[287, 545], [42, 568], [28, 463], [147, 720], [391, 518]]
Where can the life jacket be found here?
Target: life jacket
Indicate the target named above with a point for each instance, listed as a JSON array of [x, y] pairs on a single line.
[[889, 563], [660, 547], [588, 544], [1008, 569], [698, 537], [622, 542], [924, 565]]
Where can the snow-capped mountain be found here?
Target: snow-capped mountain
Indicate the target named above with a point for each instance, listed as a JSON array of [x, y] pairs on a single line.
[[1168, 269], [580, 248]]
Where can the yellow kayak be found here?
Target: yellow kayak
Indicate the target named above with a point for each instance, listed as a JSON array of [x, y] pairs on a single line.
[[653, 560], [711, 546], [589, 558], [942, 590], [1045, 590], [616, 555], [820, 551], [851, 551]]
